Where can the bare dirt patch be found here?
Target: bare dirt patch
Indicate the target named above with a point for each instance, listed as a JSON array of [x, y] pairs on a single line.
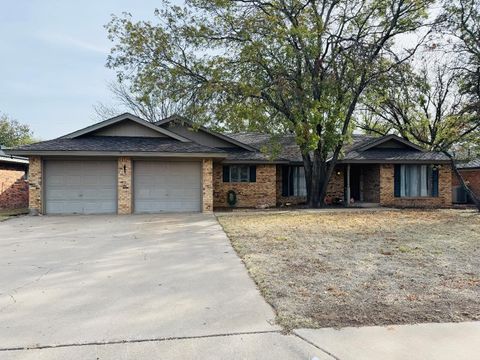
[[363, 268]]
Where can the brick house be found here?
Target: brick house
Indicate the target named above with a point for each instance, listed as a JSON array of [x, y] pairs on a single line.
[[127, 165], [13, 182], [470, 172]]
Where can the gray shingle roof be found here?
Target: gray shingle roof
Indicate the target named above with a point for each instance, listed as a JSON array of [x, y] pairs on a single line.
[[291, 152], [288, 148], [394, 155], [473, 164], [119, 144]]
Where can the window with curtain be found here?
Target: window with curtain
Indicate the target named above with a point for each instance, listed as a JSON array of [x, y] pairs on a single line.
[[239, 173], [293, 181], [416, 181]]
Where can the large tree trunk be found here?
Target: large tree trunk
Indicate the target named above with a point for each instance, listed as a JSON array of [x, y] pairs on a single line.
[[317, 176], [473, 196]]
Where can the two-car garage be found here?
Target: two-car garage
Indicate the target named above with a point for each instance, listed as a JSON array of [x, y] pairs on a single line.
[[91, 187]]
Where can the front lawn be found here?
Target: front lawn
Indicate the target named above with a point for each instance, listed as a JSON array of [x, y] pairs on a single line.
[[356, 268]]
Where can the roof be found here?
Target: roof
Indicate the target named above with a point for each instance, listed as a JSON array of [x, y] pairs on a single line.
[[473, 164], [360, 149], [393, 156], [117, 144], [376, 141], [123, 117], [289, 150], [181, 119], [4, 158], [245, 147]]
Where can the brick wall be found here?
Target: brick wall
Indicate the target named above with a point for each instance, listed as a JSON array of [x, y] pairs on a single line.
[[13, 186], [472, 177], [207, 185], [35, 185], [124, 185], [261, 193], [336, 186], [387, 195]]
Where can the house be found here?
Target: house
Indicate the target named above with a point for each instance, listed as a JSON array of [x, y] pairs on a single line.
[[127, 165], [13, 183], [470, 172]]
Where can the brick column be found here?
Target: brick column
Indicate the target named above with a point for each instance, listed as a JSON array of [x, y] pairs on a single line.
[[124, 185], [35, 177], [445, 184], [207, 185], [387, 185]]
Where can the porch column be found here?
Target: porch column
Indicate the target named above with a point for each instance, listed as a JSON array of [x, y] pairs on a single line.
[[347, 185]]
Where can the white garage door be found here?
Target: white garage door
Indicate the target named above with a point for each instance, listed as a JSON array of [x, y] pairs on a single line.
[[166, 186], [80, 187]]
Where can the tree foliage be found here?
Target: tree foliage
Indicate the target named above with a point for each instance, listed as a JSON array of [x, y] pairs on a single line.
[[297, 66], [13, 133], [423, 105]]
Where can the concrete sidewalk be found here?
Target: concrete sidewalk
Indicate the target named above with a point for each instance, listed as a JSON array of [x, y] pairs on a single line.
[[459, 341], [447, 341]]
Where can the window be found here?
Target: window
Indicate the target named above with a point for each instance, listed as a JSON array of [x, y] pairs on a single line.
[[239, 173], [293, 181], [416, 181]]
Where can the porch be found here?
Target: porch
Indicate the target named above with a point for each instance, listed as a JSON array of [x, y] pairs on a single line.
[[362, 185]]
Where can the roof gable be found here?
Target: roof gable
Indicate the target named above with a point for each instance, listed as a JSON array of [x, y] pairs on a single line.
[[389, 142], [200, 134], [106, 127]]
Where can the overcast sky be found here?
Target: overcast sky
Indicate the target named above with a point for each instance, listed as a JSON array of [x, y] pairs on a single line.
[[52, 60]]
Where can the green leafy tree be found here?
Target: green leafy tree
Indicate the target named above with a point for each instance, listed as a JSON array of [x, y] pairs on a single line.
[[13, 133], [295, 66]]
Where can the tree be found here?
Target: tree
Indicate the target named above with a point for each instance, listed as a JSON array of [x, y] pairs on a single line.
[[296, 66], [152, 105], [462, 22], [13, 133]]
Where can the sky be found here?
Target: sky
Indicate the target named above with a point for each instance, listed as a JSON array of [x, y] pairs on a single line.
[[52, 60]]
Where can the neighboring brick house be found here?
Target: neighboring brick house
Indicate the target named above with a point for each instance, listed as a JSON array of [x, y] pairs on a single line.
[[470, 172], [127, 165], [13, 183]]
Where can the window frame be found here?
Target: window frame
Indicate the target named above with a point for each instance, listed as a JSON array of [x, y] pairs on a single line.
[[403, 172], [239, 173]]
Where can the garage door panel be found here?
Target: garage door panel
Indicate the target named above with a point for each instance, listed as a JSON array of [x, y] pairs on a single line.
[[80, 187], [167, 186]]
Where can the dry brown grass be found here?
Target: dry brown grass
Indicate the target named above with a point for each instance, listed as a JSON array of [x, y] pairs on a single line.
[[363, 268]]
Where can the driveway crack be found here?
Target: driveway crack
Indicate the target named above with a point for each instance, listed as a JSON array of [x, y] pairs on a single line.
[[133, 341]]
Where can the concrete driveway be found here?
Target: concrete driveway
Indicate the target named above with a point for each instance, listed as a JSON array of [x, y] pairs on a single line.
[[77, 282]]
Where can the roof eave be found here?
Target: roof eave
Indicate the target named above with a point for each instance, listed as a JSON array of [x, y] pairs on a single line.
[[272, 162], [395, 161], [67, 153]]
